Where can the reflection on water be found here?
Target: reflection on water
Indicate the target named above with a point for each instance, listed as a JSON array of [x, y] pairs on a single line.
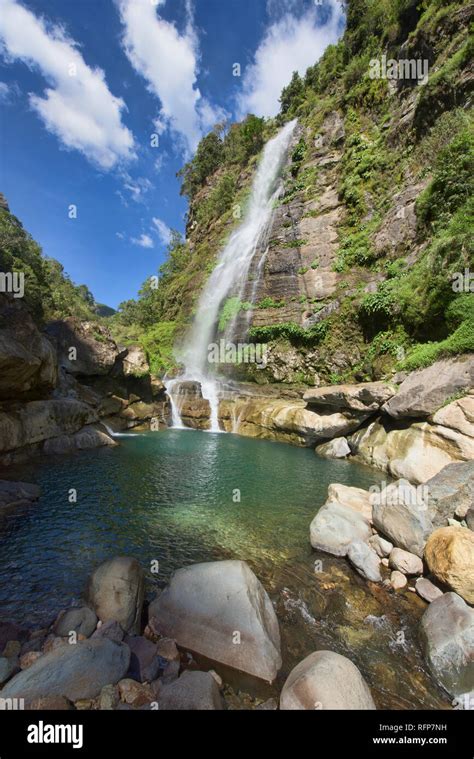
[[184, 497]]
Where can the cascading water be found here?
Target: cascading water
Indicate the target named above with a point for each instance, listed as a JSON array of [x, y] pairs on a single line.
[[230, 274]]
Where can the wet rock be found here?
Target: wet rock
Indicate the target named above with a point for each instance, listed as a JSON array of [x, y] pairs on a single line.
[[447, 634], [109, 698], [398, 580], [401, 515], [335, 527], [79, 619], [167, 649], [367, 396], [76, 671], [325, 680], [206, 607], [449, 554], [110, 630], [116, 591], [135, 694], [196, 691], [427, 590], [14, 494], [338, 448], [8, 667], [144, 661], [87, 438], [365, 560], [382, 547], [426, 390], [406, 562], [451, 492]]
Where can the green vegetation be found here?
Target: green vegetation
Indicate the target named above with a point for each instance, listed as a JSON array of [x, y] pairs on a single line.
[[290, 331]]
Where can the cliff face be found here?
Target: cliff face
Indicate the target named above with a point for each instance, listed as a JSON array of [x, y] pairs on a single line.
[[372, 225]]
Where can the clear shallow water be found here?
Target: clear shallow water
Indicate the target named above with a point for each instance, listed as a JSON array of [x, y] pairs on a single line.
[[170, 496]]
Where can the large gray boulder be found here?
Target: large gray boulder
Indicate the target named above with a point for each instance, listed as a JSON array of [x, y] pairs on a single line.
[[451, 492], [193, 691], [95, 350], [426, 390], [116, 590], [220, 610], [367, 396], [336, 526], [78, 619], [400, 513], [334, 449], [447, 634], [325, 680], [75, 671]]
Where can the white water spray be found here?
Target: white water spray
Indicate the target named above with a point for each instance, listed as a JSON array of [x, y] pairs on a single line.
[[231, 273]]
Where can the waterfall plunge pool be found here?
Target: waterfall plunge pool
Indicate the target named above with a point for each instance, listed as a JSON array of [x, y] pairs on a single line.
[[173, 496]]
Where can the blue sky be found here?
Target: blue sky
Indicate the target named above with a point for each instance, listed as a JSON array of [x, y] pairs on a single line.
[[85, 84]]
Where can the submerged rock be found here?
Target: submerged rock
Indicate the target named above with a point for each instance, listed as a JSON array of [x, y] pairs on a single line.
[[220, 610], [76, 671], [449, 554], [365, 560], [325, 680], [116, 591], [401, 515], [447, 634], [335, 527], [14, 494]]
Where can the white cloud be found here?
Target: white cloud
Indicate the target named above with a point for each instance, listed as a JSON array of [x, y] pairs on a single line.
[[77, 106], [144, 241], [163, 230], [136, 187], [169, 62], [289, 44], [4, 92]]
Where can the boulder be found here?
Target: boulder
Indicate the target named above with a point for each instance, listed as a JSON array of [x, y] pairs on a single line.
[[400, 514], [365, 560], [382, 547], [87, 438], [426, 390], [325, 680], [167, 649], [144, 661], [398, 580], [405, 562], [416, 453], [116, 590], [75, 671], [135, 362], [81, 620], [193, 691], [449, 553], [27, 358], [470, 518], [353, 498], [366, 397], [447, 635], [335, 527], [459, 415], [11, 631], [110, 630], [426, 590], [135, 694], [451, 493], [220, 610], [8, 667], [96, 350], [338, 448]]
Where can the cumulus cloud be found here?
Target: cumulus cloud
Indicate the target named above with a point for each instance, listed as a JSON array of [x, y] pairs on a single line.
[[291, 43], [77, 106], [169, 62], [144, 241], [163, 230]]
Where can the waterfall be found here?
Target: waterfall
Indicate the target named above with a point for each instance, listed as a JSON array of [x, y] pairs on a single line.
[[231, 271], [176, 421]]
